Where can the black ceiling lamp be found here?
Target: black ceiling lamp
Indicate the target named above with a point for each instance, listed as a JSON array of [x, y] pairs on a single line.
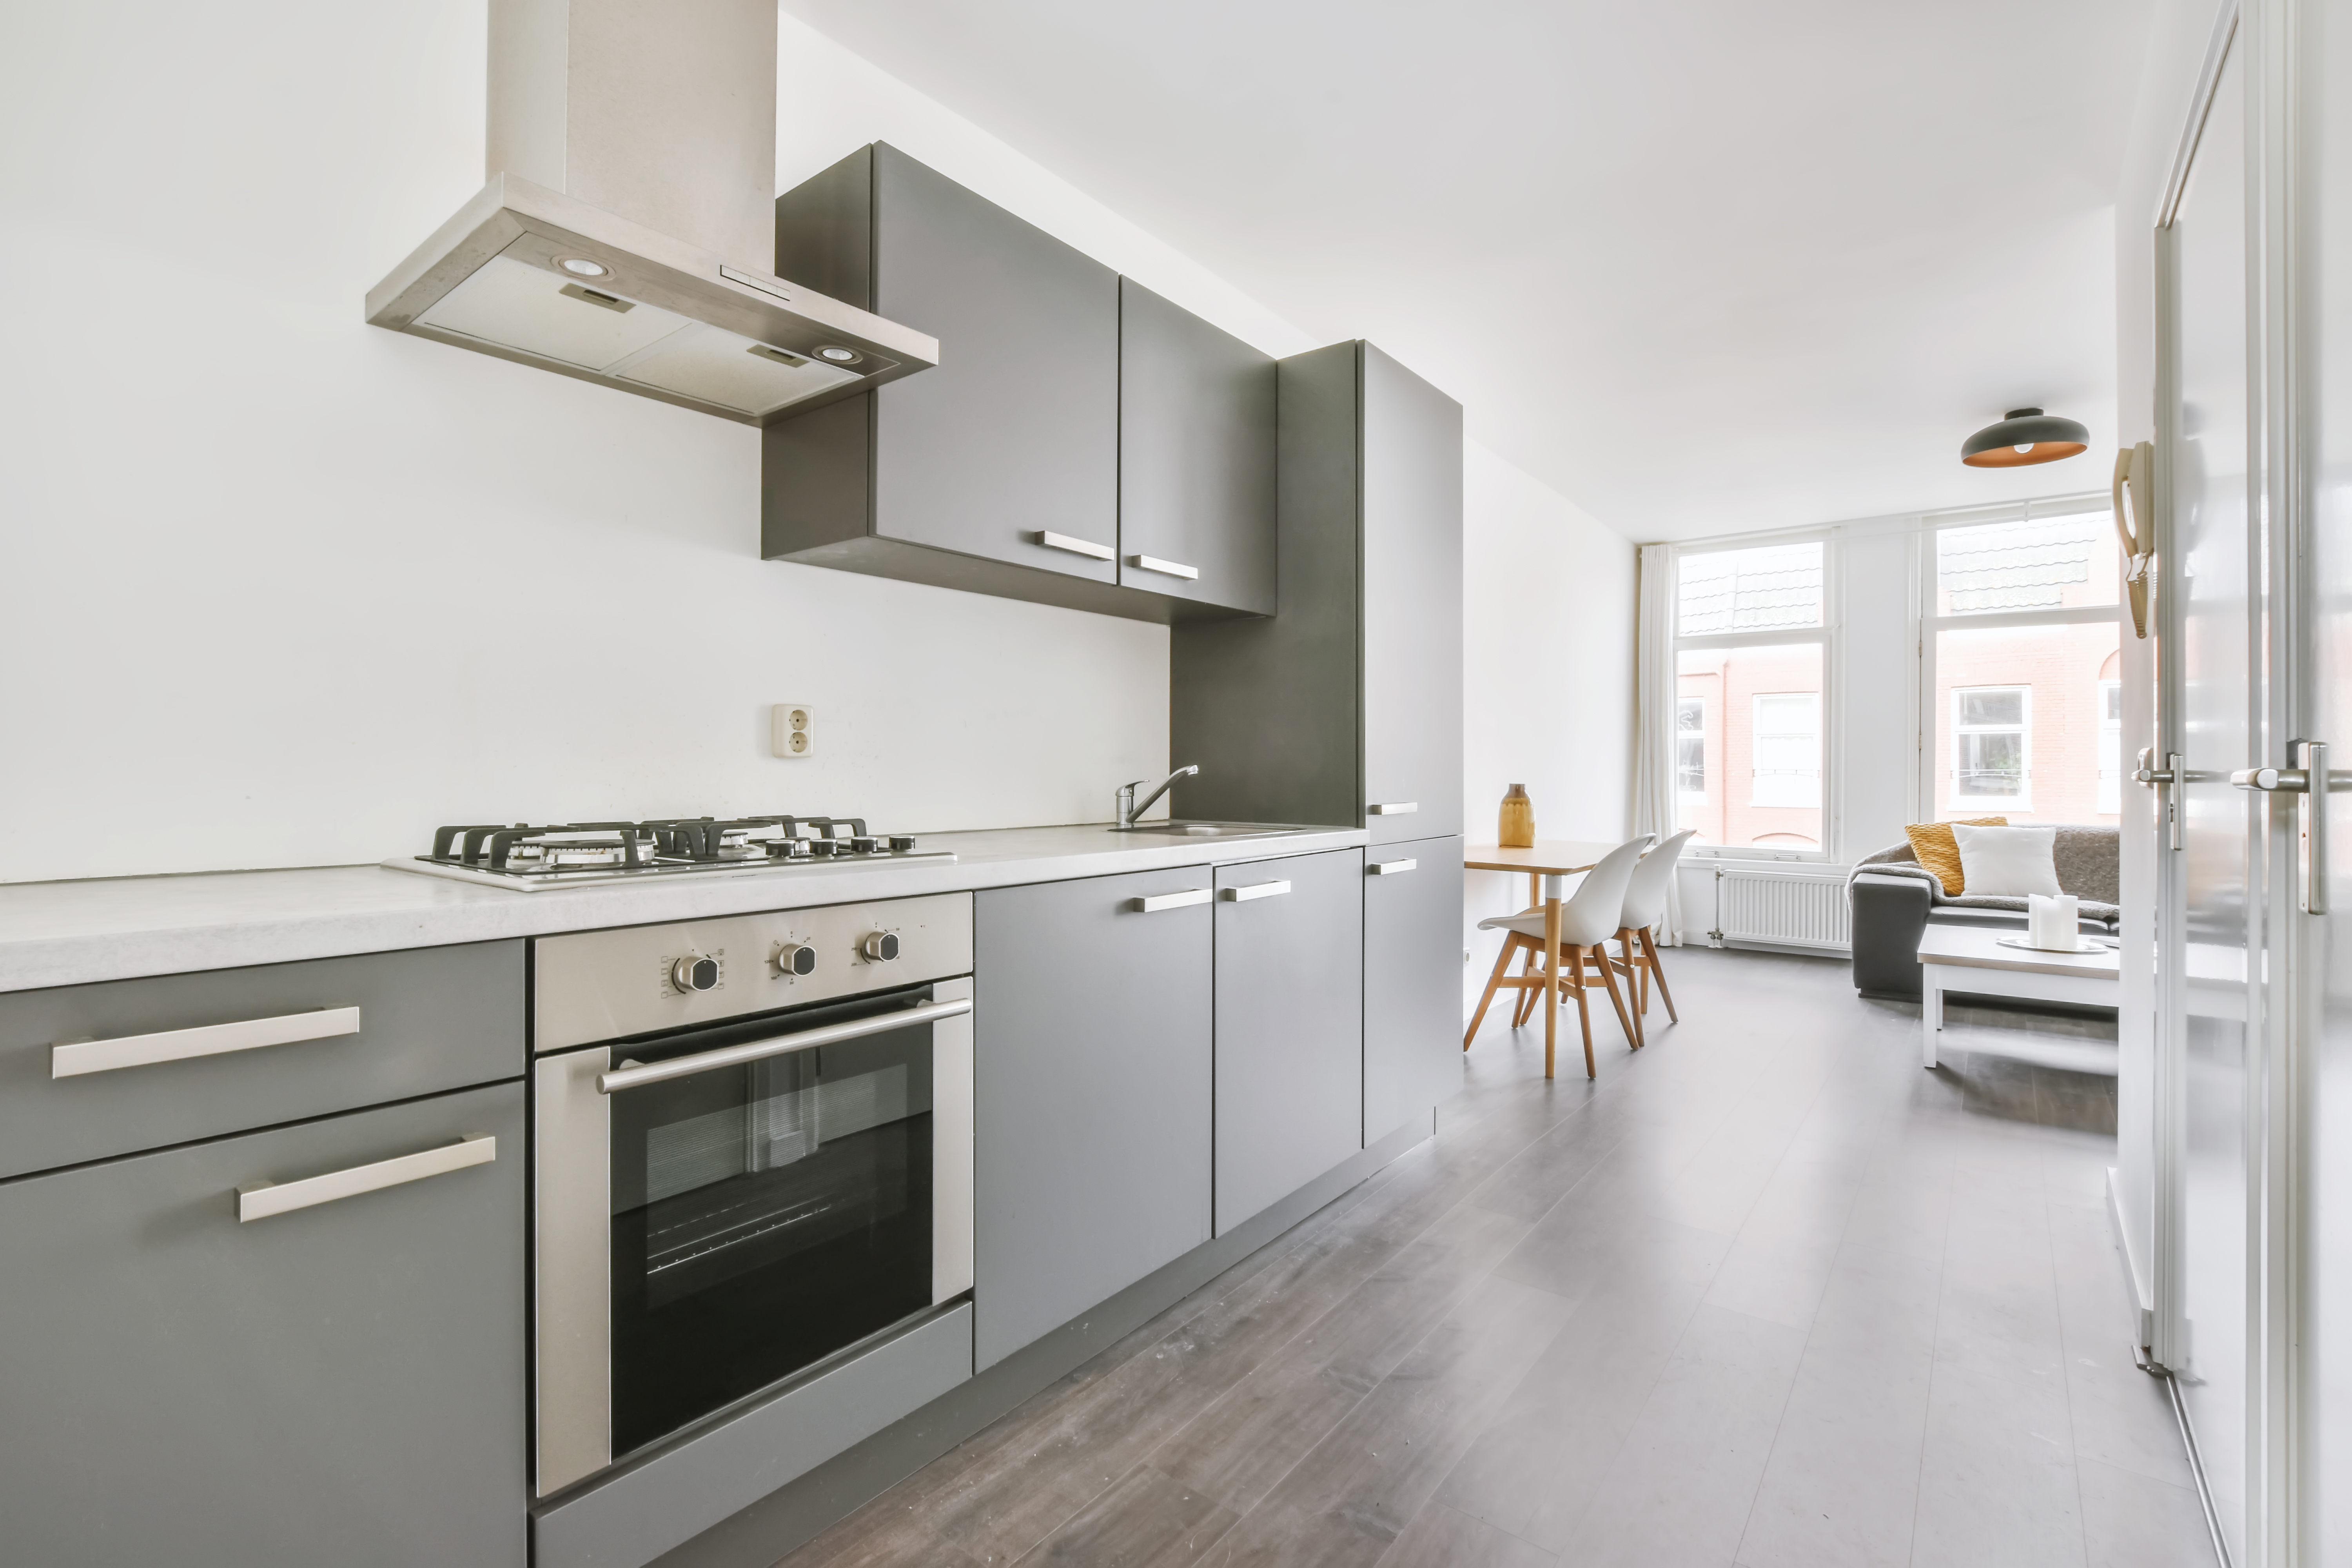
[[2024, 435]]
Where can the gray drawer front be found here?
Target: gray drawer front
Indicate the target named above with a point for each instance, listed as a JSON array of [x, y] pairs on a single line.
[[338, 1384], [642, 1512], [430, 1019]]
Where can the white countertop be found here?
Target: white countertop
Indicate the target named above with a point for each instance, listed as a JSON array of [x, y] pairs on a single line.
[[69, 934]]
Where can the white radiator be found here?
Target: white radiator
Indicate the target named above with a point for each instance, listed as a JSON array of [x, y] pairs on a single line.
[[1791, 909]]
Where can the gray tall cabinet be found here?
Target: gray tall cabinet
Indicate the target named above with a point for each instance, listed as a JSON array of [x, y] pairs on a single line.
[[1345, 707]]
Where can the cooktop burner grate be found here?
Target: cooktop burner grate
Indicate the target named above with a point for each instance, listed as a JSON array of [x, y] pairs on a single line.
[[518, 855]]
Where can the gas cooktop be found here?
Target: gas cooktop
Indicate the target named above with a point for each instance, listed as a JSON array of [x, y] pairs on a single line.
[[582, 853]]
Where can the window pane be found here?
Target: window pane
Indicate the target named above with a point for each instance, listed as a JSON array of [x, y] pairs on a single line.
[[2046, 565], [1765, 588], [1760, 717], [2021, 725], [2000, 705]]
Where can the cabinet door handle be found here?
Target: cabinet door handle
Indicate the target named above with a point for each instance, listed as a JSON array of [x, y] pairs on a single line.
[[1257, 891], [1391, 867], [1184, 901], [1166, 568], [72, 1058], [1085, 547], [1392, 808], [263, 1199]]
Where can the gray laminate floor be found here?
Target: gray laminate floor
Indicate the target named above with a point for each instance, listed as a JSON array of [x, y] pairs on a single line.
[[1766, 1294]]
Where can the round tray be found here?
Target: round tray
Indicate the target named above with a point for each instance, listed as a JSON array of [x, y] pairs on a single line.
[[2082, 944]]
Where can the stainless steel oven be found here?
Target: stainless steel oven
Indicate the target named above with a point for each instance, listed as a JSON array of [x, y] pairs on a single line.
[[752, 1153]]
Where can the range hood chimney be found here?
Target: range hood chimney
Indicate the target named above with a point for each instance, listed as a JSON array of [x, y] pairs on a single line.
[[628, 227]]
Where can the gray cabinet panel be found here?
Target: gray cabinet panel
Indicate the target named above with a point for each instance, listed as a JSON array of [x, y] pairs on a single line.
[[1196, 440], [1290, 997], [1091, 1062], [1413, 982], [430, 1019], [341, 1384], [1412, 601]]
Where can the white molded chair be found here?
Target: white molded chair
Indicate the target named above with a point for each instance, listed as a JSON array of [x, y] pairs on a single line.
[[1645, 905], [1587, 920]]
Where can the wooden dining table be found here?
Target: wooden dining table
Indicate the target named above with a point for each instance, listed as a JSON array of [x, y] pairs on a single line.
[[1545, 863]]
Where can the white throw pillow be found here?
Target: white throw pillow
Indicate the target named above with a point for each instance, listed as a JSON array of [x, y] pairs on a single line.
[[2006, 862]]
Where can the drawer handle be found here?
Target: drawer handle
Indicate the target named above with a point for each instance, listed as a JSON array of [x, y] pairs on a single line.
[[1257, 891], [263, 1199], [75, 1057], [1392, 808], [1184, 901], [1085, 547], [1165, 568], [1391, 867]]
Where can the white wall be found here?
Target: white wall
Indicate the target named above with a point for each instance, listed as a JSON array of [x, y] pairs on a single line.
[[1547, 661]]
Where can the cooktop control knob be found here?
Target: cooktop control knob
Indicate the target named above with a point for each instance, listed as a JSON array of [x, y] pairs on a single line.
[[881, 947], [695, 972], [863, 844], [901, 843], [796, 958]]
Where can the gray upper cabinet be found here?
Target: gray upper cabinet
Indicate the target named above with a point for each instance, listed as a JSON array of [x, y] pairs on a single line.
[[341, 1382], [1411, 509], [960, 472], [1091, 1068], [91, 1071], [1413, 982], [1344, 708], [1196, 458], [1290, 975]]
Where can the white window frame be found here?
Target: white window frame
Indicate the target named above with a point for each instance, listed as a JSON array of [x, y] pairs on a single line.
[[1931, 782], [2109, 799], [2024, 799], [1826, 636]]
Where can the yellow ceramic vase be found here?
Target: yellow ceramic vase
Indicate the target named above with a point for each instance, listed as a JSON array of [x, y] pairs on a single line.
[[1516, 828]]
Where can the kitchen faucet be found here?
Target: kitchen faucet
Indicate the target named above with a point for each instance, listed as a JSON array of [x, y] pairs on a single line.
[[1129, 808]]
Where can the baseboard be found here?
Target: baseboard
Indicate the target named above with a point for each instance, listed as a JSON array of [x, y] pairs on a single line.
[[2136, 1276], [796, 1513]]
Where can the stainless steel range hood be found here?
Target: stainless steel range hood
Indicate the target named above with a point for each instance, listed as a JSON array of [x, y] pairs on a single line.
[[626, 231]]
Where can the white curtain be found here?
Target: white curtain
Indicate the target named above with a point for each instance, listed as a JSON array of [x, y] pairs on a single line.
[[1653, 717]]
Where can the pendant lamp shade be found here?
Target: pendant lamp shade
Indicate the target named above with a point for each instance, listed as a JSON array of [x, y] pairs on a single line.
[[2024, 435]]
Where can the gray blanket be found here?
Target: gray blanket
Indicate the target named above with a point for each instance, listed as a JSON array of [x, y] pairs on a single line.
[[2086, 861]]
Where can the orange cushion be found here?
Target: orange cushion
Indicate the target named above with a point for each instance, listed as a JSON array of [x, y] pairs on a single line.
[[1937, 850]]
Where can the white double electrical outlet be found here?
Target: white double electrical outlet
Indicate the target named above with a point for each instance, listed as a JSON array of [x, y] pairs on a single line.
[[792, 730]]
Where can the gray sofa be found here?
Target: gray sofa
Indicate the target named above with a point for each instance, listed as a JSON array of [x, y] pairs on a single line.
[[1895, 899]]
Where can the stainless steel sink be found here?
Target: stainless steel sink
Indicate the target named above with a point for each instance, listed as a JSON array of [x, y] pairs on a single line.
[[1210, 829]]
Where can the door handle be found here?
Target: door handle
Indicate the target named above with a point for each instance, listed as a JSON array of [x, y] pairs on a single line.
[[72, 1058], [2172, 773], [1256, 890], [1392, 808], [626, 1077], [2310, 784], [1184, 901], [263, 1199], [1391, 867], [2151, 775], [1085, 547], [1165, 568]]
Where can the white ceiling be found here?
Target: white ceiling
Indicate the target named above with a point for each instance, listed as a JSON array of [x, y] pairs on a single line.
[[1701, 267]]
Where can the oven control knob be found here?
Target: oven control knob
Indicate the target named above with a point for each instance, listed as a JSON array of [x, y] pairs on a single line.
[[881, 947], [796, 958], [695, 972]]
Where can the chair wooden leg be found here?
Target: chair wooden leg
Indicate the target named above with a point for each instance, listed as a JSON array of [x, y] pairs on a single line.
[[1609, 978], [1650, 946], [1583, 1014], [1528, 996], [1502, 963]]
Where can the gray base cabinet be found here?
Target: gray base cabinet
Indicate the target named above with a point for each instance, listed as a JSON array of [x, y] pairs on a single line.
[[1413, 982], [1091, 1081], [1290, 997], [340, 1384]]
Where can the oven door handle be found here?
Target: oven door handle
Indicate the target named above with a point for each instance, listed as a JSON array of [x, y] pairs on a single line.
[[637, 1077]]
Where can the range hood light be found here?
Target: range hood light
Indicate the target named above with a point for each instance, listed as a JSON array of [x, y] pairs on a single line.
[[838, 354], [581, 266]]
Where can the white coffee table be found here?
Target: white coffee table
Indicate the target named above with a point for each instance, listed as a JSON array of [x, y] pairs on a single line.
[[1961, 958]]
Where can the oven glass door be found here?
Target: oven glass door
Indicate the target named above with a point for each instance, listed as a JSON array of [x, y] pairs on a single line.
[[766, 1215]]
